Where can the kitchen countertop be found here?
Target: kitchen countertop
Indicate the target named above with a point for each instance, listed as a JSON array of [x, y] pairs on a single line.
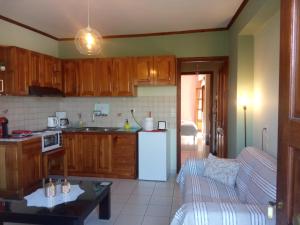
[[5, 140], [105, 130]]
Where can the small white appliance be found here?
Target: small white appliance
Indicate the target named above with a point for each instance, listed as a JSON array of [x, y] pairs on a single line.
[[51, 140], [63, 121], [148, 124], [153, 155], [52, 122]]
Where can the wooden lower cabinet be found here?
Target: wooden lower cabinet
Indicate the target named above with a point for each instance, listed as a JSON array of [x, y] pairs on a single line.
[[20, 167], [101, 155]]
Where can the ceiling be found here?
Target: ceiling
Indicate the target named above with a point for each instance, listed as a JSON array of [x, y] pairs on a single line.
[[63, 18]]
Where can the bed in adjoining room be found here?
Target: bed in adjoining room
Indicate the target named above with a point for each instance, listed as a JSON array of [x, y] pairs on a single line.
[[188, 128]]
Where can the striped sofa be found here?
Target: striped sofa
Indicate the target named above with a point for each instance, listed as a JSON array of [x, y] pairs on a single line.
[[208, 202]]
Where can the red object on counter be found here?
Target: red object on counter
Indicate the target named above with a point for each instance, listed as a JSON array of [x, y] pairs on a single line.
[[21, 132]]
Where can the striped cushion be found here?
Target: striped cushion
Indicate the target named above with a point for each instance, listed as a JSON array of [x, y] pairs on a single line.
[[197, 188], [262, 187]]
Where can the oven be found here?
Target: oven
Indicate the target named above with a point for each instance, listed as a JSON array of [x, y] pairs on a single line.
[[51, 140]]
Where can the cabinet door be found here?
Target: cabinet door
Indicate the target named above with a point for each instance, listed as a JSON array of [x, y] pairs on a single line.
[[31, 164], [3, 80], [48, 71], [88, 149], [86, 77], [70, 75], [57, 74], [36, 69], [103, 77], [123, 77], [143, 69], [103, 155], [164, 70], [71, 146], [124, 155], [18, 72]]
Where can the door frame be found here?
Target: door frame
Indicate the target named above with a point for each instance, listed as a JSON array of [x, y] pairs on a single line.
[[179, 61]]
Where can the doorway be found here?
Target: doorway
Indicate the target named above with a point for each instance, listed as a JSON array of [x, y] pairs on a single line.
[[201, 107]]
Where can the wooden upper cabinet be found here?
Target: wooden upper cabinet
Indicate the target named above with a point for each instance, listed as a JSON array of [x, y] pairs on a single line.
[[164, 70], [103, 77], [48, 71], [86, 77], [36, 69], [70, 76], [18, 71], [155, 70], [143, 70], [57, 74], [123, 73]]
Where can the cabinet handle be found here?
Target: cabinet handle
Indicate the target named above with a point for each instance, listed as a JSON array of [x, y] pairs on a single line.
[[1, 86]]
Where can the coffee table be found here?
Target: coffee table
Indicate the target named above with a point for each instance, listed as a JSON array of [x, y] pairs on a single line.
[[75, 212]]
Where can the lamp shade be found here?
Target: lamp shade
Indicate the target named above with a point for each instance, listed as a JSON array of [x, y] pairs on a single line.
[[88, 41]]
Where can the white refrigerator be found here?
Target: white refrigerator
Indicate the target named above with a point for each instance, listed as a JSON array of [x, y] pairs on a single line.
[[154, 156]]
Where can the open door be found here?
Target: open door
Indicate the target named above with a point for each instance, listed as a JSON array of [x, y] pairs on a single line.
[[221, 113], [288, 178]]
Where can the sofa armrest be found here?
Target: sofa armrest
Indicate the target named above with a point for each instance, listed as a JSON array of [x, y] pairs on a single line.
[[222, 213], [194, 167]]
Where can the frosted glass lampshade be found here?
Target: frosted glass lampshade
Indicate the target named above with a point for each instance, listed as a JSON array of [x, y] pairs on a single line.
[[88, 41]]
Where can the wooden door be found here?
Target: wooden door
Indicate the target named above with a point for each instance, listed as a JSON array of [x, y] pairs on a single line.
[[288, 177], [71, 144], [86, 77], [31, 164], [103, 154], [143, 69], [88, 149], [57, 74], [123, 77], [48, 71], [164, 70], [103, 77], [70, 76], [36, 69], [221, 117]]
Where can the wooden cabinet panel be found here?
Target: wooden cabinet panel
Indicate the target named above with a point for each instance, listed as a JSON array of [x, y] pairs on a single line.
[[123, 77], [124, 155], [57, 74], [86, 77], [164, 70], [103, 77], [72, 147], [48, 71], [103, 155], [88, 148], [31, 164], [70, 76], [36, 69], [143, 70]]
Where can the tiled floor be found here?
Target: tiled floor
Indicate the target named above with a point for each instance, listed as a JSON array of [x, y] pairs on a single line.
[[136, 202]]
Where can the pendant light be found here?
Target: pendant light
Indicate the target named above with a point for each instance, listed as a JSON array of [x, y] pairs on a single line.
[[87, 40]]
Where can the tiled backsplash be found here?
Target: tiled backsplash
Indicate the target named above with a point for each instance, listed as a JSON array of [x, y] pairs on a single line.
[[32, 112], [162, 108], [28, 112]]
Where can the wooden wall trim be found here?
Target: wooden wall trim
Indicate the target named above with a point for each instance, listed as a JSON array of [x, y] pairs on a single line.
[[27, 27], [237, 13]]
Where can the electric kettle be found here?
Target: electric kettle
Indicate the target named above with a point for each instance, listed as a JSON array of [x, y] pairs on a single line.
[[52, 122]]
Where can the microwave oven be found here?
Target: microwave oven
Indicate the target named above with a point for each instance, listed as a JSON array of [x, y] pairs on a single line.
[[51, 140]]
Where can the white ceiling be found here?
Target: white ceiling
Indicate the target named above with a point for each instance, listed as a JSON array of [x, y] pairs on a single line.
[[62, 18]]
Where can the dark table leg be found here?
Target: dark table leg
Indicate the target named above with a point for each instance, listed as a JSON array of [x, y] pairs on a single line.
[[104, 207]]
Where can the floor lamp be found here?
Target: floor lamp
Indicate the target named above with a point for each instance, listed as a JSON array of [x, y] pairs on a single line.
[[245, 123]]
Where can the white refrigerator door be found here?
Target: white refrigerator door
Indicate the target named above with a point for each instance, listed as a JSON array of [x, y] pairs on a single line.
[[153, 156]]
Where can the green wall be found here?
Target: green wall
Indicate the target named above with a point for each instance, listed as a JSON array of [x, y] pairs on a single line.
[[181, 45], [18, 36], [255, 13]]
